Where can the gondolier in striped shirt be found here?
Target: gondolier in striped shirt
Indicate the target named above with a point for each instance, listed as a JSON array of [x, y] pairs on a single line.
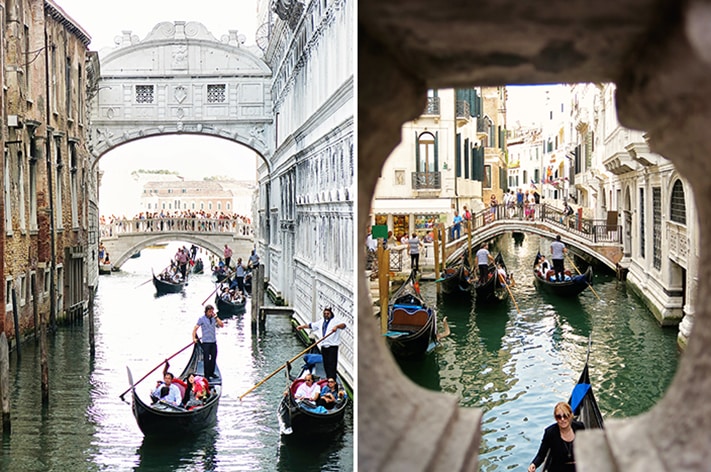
[[207, 324], [329, 347]]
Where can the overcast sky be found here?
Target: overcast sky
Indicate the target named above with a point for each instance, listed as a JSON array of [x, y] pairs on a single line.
[[192, 156]]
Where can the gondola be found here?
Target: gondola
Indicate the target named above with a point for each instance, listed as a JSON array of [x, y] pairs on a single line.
[[226, 308], [583, 403], [494, 288], [303, 417], [412, 325], [164, 286], [105, 269], [198, 267], [570, 287], [163, 420], [455, 279]]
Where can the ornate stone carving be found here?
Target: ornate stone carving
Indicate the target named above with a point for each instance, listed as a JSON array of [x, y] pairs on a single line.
[[180, 93]]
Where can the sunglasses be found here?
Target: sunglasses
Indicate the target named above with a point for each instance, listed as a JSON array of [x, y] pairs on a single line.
[[562, 417]]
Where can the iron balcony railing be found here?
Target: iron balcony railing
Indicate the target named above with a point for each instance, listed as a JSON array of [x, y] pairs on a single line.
[[463, 109], [426, 180], [432, 107]]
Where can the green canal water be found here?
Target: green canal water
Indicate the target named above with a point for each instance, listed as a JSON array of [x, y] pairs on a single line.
[[516, 365]]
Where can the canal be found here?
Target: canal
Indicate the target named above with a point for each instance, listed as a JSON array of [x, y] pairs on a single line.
[[87, 427], [516, 366]]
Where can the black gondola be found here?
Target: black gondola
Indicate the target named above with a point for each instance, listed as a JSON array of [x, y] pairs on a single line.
[[455, 279], [570, 287], [198, 267], [167, 421], [412, 325], [494, 288], [582, 400], [227, 308], [166, 286], [303, 417], [248, 282]]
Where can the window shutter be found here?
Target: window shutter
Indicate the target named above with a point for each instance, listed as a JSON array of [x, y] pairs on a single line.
[[458, 157], [417, 153], [436, 151]]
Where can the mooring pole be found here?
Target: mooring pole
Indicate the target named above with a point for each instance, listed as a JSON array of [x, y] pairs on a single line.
[[5, 383]]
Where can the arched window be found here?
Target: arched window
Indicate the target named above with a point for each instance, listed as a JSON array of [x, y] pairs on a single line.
[[426, 155], [678, 204]]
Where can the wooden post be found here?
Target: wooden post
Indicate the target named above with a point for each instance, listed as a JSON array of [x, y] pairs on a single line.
[[92, 336], [383, 284], [261, 313], [5, 384], [469, 241], [257, 295], [435, 247], [16, 318], [44, 366], [444, 246]]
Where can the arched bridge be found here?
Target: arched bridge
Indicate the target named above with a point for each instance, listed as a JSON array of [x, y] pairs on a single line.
[[584, 237], [123, 238]]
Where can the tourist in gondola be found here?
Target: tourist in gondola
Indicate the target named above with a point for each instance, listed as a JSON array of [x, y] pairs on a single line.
[[329, 347], [166, 390], [558, 441], [330, 394], [558, 252], [483, 259], [308, 390], [208, 324], [195, 391], [543, 266]]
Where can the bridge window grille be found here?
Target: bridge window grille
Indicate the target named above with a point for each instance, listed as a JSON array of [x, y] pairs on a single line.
[[678, 203], [144, 94], [216, 93], [657, 224]]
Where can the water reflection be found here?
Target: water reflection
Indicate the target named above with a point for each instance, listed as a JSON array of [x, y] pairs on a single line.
[[170, 453]]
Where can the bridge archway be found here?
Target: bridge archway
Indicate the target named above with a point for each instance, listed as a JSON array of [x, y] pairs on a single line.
[[181, 80], [121, 252]]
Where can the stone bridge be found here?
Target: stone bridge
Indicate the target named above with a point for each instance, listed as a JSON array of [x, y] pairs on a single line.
[[123, 238], [586, 238]]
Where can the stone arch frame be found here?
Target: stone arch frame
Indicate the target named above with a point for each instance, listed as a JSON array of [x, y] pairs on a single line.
[[662, 68], [675, 177]]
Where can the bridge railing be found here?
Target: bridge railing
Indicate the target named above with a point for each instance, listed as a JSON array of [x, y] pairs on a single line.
[[173, 225], [595, 231]]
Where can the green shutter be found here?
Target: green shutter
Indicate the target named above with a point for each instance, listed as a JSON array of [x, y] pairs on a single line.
[[417, 152], [458, 156], [436, 152]]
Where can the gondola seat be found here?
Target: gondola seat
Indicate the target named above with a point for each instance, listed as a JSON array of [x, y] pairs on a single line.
[[402, 320]]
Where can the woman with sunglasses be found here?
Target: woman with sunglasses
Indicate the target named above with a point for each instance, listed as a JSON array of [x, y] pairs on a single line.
[[557, 442]]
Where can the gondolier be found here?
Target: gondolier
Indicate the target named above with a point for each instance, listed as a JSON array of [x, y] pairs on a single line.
[[329, 347], [207, 323], [558, 251], [483, 259]]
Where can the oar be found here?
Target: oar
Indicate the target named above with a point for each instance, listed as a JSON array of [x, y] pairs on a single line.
[[503, 280], [153, 370], [287, 363], [447, 331], [579, 273], [151, 279], [217, 285]]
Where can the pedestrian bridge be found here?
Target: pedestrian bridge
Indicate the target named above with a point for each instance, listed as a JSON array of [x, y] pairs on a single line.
[[123, 238], [585, 238]]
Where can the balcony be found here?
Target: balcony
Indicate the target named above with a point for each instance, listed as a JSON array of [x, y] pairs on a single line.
[[426, 180], [463, 113], [432, 107]]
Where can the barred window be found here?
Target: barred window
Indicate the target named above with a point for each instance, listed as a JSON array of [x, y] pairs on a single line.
[[216, 93], [678, 203], [144, 94], [657, 227]]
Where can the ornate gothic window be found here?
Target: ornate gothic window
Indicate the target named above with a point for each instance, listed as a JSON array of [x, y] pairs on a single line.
[[678, 203]]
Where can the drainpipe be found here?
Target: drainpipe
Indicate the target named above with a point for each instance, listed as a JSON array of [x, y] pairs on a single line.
[[48, 150]]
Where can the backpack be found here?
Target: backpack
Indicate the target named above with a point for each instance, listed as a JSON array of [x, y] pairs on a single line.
[[569, 210]]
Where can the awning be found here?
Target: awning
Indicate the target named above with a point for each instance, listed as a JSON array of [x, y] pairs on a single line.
[[416, 206]]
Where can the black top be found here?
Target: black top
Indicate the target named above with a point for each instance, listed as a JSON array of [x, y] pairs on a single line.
[[561, 457]]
